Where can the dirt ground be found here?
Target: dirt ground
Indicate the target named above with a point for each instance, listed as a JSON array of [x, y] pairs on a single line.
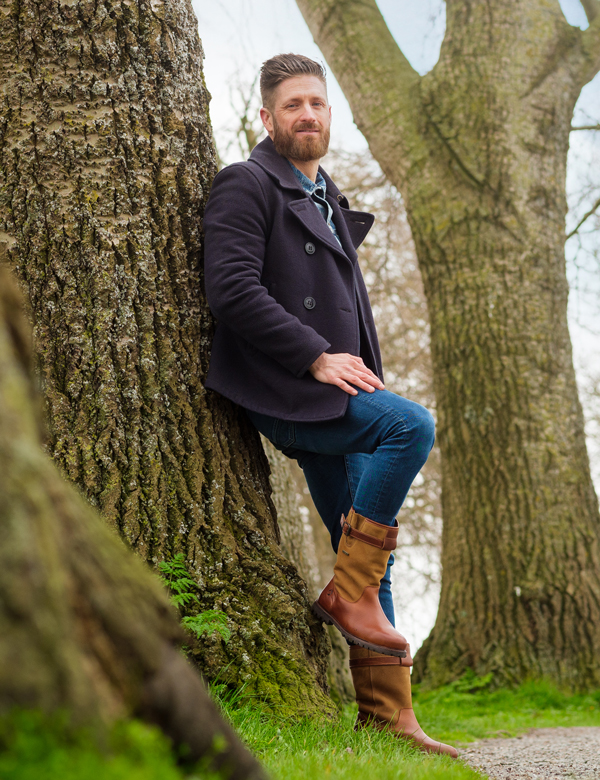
[[540, 754]]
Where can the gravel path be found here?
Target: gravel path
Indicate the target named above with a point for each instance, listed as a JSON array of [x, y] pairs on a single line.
[[538, 755]]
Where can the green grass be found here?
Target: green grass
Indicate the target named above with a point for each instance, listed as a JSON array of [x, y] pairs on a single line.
[[34, 747], [467, 711], [310, 750], [457, 714]]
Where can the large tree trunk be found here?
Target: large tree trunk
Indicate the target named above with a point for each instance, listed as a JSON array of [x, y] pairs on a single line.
[[106, 158], [84, 627], [305, 542], [478, 148]]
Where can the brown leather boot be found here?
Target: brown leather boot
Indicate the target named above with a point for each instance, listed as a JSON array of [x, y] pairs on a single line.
[[382, 685], [351, 600]]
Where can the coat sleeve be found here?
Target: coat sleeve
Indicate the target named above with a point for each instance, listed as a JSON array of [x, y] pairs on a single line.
[[236, 227]]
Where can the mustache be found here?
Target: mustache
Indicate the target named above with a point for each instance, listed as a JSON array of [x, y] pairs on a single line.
[[307, 126]]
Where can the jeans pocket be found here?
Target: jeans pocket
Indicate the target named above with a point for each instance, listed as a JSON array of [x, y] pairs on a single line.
[[263, 423], [284, 433]]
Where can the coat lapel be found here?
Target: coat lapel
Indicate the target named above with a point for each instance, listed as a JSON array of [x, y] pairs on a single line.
[[310, 217], [357, 223], [354, 224]]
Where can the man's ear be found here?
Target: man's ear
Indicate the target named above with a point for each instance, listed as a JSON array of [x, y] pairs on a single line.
[[267, 120]]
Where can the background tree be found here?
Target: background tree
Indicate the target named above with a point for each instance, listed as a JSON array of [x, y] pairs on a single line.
[[478, 149], [106, 159], [84, 627]]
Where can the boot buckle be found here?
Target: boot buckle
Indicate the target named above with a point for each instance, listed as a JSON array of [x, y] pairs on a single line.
[[346, 527]]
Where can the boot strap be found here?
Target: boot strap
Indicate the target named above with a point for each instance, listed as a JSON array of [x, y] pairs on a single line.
[[386, 660], [389, 543]]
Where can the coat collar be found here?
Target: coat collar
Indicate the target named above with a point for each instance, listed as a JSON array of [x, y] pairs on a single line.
[[352, 226], [274, 164]]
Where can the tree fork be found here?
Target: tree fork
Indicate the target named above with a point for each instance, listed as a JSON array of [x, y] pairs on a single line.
[[478, 148], [106, 159]]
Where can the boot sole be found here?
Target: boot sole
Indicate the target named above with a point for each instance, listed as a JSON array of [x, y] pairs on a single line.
[[371, 723], [329, 621]]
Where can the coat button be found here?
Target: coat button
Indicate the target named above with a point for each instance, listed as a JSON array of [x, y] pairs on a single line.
[[309, 303], [310, 248]]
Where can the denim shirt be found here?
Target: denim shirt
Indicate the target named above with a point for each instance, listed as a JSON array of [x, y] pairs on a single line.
[[316, 192]]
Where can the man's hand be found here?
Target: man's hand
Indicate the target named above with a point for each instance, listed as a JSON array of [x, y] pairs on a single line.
[[340, 369]]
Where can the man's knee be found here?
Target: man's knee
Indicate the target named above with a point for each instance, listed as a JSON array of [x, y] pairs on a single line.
[[422, 430]]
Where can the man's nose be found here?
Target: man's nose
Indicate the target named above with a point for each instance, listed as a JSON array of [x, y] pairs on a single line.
[[308, 113]]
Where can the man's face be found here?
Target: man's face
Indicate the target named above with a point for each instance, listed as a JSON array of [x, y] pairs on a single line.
[[300, 119]]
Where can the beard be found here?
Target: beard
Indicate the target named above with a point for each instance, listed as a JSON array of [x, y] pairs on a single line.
[[305, 148]]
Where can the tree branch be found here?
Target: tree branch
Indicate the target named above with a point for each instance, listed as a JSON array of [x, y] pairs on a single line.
[[590, 40], [376, 77], [586, 127], [586, 216]]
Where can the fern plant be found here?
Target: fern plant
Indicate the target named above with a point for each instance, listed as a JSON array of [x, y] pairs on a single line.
[[174, 576], [212, 621]]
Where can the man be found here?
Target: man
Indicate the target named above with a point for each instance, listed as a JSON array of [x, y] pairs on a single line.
[[296, 346]]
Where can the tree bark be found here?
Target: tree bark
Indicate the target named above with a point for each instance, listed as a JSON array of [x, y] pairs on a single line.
[[106, 159], [305, 542], [478, 148], [84, 626]]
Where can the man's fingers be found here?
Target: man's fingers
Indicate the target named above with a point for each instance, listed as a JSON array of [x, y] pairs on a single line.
[[344, 371], [365, 372], [345, 386], [359, 382], [363, 385], [372, 379], [367, 375], [366, 381]]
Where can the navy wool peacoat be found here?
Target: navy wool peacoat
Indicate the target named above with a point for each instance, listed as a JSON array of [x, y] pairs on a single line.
[[282, 289]]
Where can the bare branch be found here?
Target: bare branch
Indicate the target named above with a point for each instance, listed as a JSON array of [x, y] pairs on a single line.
[[591, 8], [586, 127], [590, 213]]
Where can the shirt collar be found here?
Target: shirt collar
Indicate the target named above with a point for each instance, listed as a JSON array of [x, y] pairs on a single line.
[[308, 185]]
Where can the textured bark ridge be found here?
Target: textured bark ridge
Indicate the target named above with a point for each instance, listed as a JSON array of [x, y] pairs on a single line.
[[478, 148], [106, 158], [85, 627]]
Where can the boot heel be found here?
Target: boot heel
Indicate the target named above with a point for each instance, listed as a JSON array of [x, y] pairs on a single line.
[[354, 640], [321, 614]]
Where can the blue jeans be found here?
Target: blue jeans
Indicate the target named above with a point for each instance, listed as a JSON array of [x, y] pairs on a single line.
[[367, 459]]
